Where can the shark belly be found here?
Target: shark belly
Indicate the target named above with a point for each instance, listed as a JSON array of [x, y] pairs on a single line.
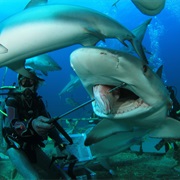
[[42, 29], [38, 38]]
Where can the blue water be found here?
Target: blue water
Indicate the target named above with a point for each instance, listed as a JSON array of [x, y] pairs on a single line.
[[161, 39]]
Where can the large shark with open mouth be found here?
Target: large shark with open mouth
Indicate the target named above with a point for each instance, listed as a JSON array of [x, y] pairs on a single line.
[[41, 29], [130, 98]]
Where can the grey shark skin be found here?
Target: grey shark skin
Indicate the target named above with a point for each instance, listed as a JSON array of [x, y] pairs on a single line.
[[130, 113], [43, 63], [42, 29], [150, 8]]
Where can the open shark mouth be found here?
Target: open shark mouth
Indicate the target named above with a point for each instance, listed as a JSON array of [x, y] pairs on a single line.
[[112, 100]]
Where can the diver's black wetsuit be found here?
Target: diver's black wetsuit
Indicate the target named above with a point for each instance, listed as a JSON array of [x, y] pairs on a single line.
[[17, 129], [176, 106]]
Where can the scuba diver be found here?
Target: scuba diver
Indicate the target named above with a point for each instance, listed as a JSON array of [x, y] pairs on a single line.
[[25, 128], [174, 113]]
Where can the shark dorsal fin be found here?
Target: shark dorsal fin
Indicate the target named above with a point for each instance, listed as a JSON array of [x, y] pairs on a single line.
[[34, 3], [159, 71], [140, 31]]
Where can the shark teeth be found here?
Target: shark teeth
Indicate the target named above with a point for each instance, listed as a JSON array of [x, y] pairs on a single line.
[[102, 98], [117, 102]]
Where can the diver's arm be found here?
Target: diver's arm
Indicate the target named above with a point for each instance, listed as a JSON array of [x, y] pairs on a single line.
[[53, 133]]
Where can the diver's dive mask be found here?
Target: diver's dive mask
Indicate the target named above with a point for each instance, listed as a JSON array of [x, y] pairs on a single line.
[[26, 82], [27, 86]]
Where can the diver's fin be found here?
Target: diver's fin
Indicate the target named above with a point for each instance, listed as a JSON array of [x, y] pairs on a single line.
[[34, 3], [3, 49], [104, 129], [169, 129]]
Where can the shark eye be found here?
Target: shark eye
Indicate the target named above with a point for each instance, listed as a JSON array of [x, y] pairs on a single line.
[[145, 68]]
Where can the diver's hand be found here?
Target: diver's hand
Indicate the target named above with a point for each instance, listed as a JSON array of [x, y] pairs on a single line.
[[41, 125]]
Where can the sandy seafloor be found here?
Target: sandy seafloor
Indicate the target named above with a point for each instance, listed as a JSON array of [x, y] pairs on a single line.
[[126, 165]]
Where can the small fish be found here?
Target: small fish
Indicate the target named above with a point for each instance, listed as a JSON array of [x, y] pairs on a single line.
[[43, 63]]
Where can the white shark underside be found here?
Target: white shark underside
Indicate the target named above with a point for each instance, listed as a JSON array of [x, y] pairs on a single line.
[[129, 113], [46, 28]]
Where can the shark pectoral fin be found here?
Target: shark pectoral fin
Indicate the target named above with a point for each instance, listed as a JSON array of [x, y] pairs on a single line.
[[104, 129], [93, 37], [3, 49], [169, 129], [34, 3], [139, 49], [19, 68]]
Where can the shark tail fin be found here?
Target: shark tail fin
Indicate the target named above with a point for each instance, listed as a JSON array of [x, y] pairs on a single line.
[[139, 33]]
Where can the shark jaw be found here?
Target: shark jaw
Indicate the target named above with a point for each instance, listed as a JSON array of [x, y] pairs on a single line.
[[117, 102]]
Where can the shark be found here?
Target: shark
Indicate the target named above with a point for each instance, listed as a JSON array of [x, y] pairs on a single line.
[[73, 83], [130, 99], [40, 29], [150, 8], [43, 63]]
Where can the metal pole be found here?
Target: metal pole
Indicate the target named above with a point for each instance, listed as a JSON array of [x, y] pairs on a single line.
[[84, 104]]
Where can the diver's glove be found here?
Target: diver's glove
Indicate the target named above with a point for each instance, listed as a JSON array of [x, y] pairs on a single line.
[[41, 125]]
